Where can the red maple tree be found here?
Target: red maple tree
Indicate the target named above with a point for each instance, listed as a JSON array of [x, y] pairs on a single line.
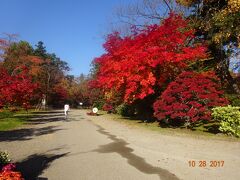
[[16, 89], [139, 64]]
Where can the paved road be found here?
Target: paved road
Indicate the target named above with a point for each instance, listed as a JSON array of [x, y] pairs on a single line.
[[84, 147]]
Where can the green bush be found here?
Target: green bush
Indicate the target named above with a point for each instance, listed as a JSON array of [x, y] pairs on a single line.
[[234, 99], [4, 158], [229, 118], [99, 104], [125, 110]]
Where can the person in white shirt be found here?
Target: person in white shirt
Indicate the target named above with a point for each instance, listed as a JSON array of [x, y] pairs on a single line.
[[66, 109]]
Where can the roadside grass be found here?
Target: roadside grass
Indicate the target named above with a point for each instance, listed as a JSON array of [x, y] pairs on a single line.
[[201, 130], [12, 120]]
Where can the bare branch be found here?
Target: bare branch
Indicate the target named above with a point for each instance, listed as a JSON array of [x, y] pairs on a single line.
[[146, 12]]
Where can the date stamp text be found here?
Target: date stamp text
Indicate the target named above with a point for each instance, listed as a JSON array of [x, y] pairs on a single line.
[[204, 163]]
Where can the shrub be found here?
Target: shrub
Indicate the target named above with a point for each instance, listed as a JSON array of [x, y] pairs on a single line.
[[234, 99], [7, 169], [8, 173], [125, 110], [108, 108], [4, 158], [229, 118], [98, 104], [189, 98]]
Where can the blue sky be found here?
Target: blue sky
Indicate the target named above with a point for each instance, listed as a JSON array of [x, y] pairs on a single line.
[[72, 29]]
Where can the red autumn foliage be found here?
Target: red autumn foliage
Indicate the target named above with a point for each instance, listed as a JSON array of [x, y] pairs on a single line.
[[8, 173], [107, 107], [137, 64], [17, 89], [60, 92], [190, 98], [59, 95]]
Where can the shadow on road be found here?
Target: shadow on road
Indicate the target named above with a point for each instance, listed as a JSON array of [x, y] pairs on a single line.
[[26, 133], [48, 112], [44, 119], [120, 146], [53, 117], [34, 165]]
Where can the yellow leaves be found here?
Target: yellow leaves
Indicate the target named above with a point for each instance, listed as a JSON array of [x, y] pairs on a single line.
[[217, 38], [227, 35], [234, 5], [109, 95], [218, 21], [220, 16], [205, 25], [185, 3], [222, 21]]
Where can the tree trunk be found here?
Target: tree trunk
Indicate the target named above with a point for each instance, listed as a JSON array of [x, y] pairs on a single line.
[[223, 70], [225, 75]]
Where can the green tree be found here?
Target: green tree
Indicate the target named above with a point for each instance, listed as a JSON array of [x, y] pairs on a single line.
[[40, 50], [53, 71], [217, 22]]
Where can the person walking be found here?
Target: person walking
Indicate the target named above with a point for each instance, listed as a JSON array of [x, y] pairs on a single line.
[[66, 109]]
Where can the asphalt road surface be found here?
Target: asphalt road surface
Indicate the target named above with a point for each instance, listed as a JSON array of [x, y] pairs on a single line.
[[94, 148]]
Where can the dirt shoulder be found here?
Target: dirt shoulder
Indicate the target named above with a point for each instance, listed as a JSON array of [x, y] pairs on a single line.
[[176, 152]]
